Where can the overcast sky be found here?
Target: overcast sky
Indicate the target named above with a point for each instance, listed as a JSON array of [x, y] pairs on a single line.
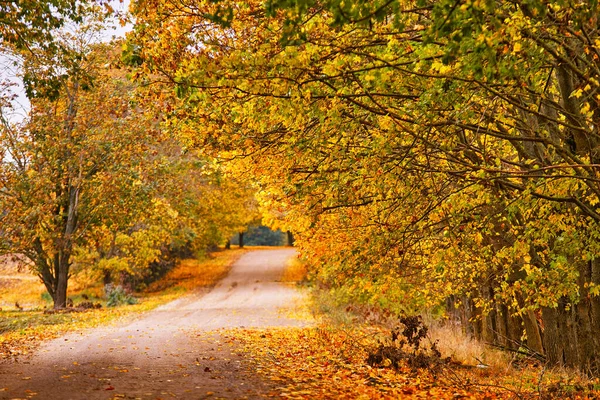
[[9, 69]]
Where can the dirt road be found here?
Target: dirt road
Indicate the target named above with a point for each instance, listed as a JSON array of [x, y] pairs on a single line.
[[169, 352]]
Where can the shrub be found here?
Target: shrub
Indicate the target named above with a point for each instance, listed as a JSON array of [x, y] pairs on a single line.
[[116, 295]]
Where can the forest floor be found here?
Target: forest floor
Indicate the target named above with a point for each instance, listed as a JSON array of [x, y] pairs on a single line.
[[252, 335]]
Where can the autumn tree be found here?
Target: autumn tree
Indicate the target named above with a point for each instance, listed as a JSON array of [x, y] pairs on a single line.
[[61, 164], [431, 149]]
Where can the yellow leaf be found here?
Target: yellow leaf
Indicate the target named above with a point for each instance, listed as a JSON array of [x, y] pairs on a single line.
[[577, 93], [517, 47]]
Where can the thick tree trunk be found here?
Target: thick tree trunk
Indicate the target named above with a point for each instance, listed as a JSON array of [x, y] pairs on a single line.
[[60, 299], [534, 335], [241, 242], [54, 270], [552, 330], [63, 258], [228, 244], [55, 277], [290, 238]]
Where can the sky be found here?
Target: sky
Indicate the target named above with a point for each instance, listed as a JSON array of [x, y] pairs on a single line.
[[9, 68]]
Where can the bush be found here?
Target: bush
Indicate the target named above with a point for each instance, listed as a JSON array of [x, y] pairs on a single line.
[[116, 296], [406, 345]]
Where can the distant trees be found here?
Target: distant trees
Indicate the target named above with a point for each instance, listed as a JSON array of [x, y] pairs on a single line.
[[26, 23], [262, 236]]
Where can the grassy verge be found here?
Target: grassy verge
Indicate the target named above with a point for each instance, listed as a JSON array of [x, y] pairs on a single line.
[[22, 331], [330, 360]]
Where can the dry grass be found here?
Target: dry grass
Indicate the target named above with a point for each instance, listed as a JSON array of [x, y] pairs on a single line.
[[16, 285], [27, 292], [191, 274], [453, 342]]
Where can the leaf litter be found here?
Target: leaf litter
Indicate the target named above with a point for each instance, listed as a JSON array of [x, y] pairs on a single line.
[[336, 362]]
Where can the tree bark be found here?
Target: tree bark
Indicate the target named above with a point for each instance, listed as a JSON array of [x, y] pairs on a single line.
[[241, 242], [552, 329], [532, 329], [503, 335], [60, 299]]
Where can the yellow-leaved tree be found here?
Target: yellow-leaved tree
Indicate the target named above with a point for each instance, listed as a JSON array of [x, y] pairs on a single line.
[[423, 151]]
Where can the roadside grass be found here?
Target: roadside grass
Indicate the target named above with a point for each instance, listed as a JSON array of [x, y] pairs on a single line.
[[22, 330], [328, 359]]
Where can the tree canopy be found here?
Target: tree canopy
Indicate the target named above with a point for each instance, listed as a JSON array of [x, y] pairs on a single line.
[[421, 150]]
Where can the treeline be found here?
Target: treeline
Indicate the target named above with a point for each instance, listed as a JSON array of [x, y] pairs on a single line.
[[425, 153]]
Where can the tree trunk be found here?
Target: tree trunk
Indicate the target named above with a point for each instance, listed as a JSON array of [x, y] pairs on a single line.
[[54, 271], [107, 278], [569, 338], [503, 336], [55, 277], [290, 238], [552, 331], [228, 244], [515, 330], [595, 301], [488, 328], [60, 298], [65, 248], [532, 329], [241, 242]]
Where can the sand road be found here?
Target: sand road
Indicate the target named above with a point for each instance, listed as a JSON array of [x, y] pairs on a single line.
[[169, 352]]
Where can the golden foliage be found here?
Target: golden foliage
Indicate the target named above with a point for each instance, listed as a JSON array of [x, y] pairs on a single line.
[[296, 271]]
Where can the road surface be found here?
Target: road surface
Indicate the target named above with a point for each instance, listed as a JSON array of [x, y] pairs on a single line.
[[171, 352]]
